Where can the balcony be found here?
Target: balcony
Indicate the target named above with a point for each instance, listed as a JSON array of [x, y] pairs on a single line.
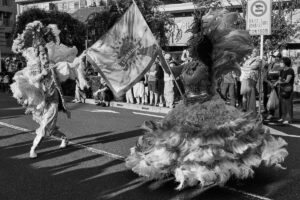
[[31, 1]]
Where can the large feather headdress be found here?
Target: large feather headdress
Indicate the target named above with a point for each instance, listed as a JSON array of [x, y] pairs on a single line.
[[34, 35], [218, 42]]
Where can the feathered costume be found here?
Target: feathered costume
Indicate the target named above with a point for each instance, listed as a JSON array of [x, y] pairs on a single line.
[[203, 141], [37, 86]]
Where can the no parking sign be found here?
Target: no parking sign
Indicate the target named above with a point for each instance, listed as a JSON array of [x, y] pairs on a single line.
[[259, 17]]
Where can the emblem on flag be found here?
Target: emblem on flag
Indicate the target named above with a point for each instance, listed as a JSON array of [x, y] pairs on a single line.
[[126, 52]]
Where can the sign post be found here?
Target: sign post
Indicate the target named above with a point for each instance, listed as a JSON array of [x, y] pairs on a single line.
[[259, 23]]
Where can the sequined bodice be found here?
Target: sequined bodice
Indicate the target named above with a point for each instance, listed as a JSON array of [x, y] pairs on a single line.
[[195, 78]]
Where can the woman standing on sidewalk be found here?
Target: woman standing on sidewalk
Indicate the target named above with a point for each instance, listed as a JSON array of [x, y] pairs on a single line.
[[286, 83], [249, 78]]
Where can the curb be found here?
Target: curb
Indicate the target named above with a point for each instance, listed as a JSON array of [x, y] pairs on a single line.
[[139, 107], [129, 106]]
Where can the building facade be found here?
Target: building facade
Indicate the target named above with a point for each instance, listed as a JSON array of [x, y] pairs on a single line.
[[7, 19], [69, 6]]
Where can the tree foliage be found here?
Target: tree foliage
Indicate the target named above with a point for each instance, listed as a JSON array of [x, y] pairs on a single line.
[[282, 29], [72, 30], [100, 23]]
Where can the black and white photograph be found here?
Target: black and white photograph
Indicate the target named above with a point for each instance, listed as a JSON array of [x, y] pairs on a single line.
[[149, 99]]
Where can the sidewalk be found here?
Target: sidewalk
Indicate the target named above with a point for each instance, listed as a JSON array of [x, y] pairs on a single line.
[[164, 110], [130, 106]]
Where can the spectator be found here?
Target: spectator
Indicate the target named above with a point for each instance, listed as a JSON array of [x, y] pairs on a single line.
[[3, 68], [286, 83], [129, 96], [228, 87], [139, 91], [146, 93], [6, 82], [155, 83], [169, 83], [249, 78], [1, 82], [79, 94], [104, 94], [271, 76]]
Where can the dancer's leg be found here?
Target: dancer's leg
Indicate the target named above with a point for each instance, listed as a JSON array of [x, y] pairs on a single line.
[[47, 127], [40, 133]]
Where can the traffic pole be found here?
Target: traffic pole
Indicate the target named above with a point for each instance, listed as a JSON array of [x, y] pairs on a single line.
[[260, 74]]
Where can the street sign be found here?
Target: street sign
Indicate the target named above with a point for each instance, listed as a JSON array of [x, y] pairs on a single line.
[[259, 17]]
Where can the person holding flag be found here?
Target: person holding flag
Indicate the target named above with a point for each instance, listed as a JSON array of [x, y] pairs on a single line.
[[203, 141]]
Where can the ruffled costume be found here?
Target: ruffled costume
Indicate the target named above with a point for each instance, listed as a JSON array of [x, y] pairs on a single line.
[[34, 90], [203, 141]]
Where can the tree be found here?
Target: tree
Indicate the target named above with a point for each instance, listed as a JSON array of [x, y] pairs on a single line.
[[100, 23], [72, 30], [282, 30]]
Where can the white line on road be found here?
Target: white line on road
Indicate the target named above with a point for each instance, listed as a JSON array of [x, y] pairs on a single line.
[[279, 133], [119, 157], [90, 149], [295, 125], [102, 111], [247, 194], [138, 113], [14, 127]]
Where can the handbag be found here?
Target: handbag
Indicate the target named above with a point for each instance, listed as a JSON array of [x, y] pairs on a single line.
[[286, 90]]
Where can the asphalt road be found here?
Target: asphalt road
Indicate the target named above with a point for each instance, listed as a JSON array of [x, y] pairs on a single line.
[[93, 168]]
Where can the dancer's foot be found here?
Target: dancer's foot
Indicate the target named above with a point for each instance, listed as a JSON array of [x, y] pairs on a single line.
[[32, 154], [64, 143]]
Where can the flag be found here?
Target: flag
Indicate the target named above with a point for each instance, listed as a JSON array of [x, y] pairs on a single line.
[[125, 53]]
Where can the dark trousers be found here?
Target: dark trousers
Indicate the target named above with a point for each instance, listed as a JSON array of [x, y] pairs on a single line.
[[266, 92], [286, 105], [229, 88]]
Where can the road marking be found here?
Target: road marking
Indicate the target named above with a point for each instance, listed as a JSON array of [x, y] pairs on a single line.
[[15, 127], [13, 108], [247, 193], [122, 158], [138, 113], [279, 133], [295, 125], [90, 149], [102, 111]]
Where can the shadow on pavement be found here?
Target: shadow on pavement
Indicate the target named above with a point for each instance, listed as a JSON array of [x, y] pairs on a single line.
[[75, 174], [114, 137]]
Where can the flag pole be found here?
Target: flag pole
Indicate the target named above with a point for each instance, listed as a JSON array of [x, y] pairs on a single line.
[[167, 64]]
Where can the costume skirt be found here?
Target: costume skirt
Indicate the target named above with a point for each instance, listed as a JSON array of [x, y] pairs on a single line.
[[205, 144]]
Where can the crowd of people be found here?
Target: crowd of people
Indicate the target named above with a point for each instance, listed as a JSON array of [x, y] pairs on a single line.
[[9, 66], [278, 77], [157, 87]]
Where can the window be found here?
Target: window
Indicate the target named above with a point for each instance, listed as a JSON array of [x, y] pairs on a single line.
[[5, 2], [7, 39], [83, 3], [65, 6], [76, 5], [6, 19], [53, 6], [1, 19], [71, 6], [60, 6]]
